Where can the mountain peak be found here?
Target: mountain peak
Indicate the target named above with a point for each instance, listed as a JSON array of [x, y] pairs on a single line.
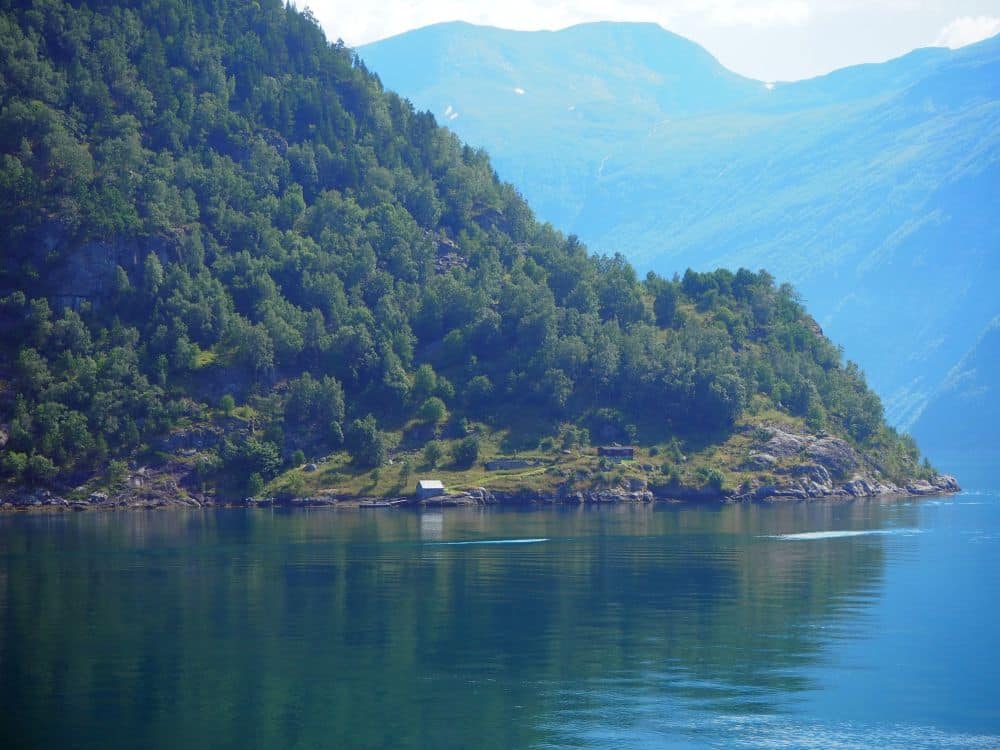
[[587, 69]]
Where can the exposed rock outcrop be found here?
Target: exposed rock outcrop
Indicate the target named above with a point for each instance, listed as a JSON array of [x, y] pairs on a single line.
[[815, 482], [833, 453], [784, 444], [88, 270]]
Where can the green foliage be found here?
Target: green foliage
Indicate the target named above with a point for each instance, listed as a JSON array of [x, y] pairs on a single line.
[[40, 469], [14, 464], [255, 484], [433, 453], [711, 478], [366, 443], [295, 486], [425, 383], [314, 403], [665, 296], [465, 452], [479, 391], [432, 411], [117, 471], [227, 404], [245, 462], [572, 436]]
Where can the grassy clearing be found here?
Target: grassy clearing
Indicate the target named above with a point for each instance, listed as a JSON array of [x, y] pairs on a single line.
[[579, 469]]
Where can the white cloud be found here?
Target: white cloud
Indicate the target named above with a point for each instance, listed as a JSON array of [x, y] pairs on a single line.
[[968, 30], [519, 91]]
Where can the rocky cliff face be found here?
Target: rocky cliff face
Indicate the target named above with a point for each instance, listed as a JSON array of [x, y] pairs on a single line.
[[86, 268]]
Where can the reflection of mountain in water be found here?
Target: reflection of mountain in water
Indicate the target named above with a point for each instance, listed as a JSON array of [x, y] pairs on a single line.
[[243, 629]]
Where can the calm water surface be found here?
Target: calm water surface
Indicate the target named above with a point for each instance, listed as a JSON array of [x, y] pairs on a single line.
[[806, 625]]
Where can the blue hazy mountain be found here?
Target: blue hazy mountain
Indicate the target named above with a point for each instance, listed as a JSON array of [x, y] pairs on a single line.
[[874, 189], [963, 414]]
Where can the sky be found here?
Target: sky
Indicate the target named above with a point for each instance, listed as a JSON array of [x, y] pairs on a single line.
[[770, 40]]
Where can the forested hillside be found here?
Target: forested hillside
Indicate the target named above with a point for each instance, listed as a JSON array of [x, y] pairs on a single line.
[[225, 246]]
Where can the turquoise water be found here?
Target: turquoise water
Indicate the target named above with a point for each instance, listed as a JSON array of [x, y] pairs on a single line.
[[806, 625]]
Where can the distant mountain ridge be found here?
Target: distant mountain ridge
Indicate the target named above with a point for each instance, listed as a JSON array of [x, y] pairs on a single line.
[[874, 189]]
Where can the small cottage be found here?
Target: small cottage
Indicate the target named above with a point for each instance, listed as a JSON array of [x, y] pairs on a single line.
[[617, 451], [429, 488]]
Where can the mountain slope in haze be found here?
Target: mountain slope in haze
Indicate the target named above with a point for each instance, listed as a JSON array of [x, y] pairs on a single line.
[[963, 415], [549, 103], [228, 252], [873, 189]]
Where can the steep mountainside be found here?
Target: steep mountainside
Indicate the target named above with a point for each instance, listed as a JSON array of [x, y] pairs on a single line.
[[227, 252], [872, 189], [963, 414]]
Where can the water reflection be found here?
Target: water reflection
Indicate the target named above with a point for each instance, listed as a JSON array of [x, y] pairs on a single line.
[[343, 629]]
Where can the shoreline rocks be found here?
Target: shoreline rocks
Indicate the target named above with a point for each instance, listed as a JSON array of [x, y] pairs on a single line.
[[815, 486], [807, 482]]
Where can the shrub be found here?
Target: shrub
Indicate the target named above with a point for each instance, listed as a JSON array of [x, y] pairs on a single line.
[[366, 443], [251, 456], [465, 452], [255, 484], [433, 453], [574, 437], [14, 464], [117, 470], [294, 487], [710, 478], [432, 411], [40, 468]]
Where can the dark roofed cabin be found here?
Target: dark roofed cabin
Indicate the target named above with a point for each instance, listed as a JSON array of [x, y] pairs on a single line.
[[616, 451]]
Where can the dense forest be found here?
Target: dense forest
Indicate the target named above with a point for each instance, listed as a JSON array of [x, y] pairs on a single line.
[[211, 215]]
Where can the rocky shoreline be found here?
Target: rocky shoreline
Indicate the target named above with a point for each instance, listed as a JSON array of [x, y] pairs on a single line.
[[810, 485], [781, 465]]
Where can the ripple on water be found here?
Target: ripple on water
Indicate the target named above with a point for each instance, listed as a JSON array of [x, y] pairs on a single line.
[[809, 536], [486, 541], [778, 731]]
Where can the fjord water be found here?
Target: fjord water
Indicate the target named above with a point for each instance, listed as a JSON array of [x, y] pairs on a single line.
[[868, 624]]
